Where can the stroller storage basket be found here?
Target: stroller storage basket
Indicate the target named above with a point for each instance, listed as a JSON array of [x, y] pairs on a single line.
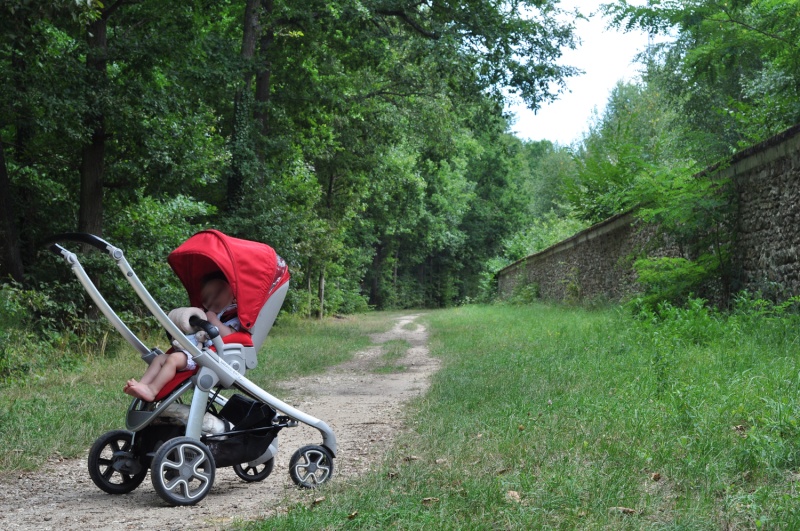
[[253, 432], [245, 413]]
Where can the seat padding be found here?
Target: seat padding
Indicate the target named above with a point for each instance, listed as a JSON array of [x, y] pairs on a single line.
[[179, 378]]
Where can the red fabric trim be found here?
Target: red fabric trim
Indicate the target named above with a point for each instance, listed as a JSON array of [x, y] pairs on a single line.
[[179, 378], [243, 338]]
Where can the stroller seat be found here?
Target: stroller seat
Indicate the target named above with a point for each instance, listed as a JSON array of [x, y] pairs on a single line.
[[242, 338]]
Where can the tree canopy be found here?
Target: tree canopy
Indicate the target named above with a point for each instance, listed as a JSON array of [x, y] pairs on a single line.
[[363, 139]]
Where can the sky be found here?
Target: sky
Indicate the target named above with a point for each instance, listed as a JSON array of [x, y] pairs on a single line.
[[606, 56]]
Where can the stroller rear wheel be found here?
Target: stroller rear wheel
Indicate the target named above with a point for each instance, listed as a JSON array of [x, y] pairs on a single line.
[[311, 466], [183, 471], [254, 473], [112, 464]]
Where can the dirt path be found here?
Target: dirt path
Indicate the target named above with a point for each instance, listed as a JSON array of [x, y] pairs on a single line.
[[361, 405]]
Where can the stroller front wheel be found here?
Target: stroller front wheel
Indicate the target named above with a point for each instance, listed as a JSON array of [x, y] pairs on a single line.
[[113, 466], [311, 466], [183, 471]]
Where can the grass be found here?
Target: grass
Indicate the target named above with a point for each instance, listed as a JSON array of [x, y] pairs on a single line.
[[60, 411], [556, 418], [392, 352]]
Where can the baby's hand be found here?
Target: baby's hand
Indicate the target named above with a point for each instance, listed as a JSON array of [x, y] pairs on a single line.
[[224, 330], [212, 318]]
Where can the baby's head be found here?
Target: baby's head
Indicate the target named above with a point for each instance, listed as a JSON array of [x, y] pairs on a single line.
[[216, 293]]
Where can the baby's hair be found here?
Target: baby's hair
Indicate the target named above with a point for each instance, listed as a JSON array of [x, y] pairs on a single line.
[[214, 275]]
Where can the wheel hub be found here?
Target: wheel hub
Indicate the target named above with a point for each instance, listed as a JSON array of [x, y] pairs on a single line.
[[187, 471]]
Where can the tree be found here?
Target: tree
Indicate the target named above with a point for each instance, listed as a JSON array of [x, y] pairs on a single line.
[[633, 136], [732, 70]]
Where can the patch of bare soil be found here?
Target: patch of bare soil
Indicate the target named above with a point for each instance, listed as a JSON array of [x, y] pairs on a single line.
[[364, 408]]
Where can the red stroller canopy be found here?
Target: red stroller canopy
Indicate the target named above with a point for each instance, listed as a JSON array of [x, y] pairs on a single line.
[[250, 267]]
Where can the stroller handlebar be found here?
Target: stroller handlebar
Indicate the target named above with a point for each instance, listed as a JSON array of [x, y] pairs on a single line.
[[79, 237], [204, 325]]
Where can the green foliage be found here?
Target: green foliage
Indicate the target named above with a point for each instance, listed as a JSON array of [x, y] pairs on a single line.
[[152, 229], [32, 337], [364, 141], [671, 279], [549, 167], [545, 231], [524, 293], [632, 138], [731, 71], [487, 287]]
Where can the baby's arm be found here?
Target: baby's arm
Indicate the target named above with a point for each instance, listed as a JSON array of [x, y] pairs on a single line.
[[224, 330]]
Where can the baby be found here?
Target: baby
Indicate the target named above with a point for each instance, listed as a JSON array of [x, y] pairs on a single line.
[[220, 306]]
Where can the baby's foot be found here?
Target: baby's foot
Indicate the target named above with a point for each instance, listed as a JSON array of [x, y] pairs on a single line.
[[141, 391], [129, 384]]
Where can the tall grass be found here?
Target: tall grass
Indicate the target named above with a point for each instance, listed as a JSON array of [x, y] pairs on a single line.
[[555, 418], [59, 410]]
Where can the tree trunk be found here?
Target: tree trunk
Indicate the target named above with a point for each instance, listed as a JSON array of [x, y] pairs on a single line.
[[22, 115], [12, 246], [375, 298], [394, 269], [90, 214], [11, 251], [241, 111], [263, 73], [322, 293], [309, 286]]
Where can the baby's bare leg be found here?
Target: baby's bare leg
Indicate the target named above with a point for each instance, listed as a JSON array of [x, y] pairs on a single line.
[[148, 389], [154, 368]]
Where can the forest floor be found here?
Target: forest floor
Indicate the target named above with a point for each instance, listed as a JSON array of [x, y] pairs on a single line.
[[361, 401]]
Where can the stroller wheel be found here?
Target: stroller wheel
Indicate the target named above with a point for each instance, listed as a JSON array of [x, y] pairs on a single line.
[[182, 471], [112, 464], [254, 473], [311, 466]]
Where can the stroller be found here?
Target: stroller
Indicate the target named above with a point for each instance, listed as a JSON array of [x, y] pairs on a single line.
[[183, 444]]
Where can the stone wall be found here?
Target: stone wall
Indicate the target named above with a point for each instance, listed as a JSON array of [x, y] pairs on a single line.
[[596, 263], [767, 183], [593, 264]]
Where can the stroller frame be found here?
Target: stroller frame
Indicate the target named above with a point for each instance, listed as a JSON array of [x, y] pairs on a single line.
[[185, 461]]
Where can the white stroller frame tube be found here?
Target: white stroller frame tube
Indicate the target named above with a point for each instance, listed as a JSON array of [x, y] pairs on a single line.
[[226, 374], [97, 297]]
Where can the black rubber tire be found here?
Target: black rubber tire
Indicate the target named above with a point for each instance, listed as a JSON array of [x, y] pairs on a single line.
[[255, 473], [183, 471], [311, 466], [111, 464]]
